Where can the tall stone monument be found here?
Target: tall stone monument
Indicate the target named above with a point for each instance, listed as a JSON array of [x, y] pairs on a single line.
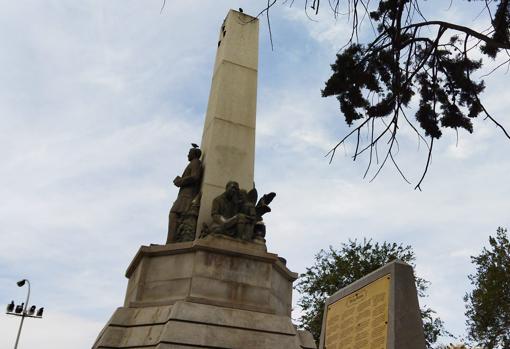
[[218, 288], [228, 140]]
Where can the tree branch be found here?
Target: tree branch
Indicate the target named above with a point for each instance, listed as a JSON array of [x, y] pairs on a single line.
[[463, 29]]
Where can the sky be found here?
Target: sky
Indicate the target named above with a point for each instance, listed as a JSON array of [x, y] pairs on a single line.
[[99, 102]]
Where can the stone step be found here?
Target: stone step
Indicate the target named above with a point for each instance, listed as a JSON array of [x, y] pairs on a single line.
[[193, 325]]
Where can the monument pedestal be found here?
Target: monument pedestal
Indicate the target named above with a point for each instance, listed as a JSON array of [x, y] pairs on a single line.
[[215, 292]]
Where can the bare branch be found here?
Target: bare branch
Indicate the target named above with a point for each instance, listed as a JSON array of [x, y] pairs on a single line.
[[463, 29], [429, 156]]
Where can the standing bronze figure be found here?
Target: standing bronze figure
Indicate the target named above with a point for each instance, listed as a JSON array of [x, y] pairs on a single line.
[[189, 188]]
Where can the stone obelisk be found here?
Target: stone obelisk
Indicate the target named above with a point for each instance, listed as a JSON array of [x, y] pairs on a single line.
[[216, 291], [228, 140]]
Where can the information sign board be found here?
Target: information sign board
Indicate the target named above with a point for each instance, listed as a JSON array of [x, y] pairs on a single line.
[[360, 319]]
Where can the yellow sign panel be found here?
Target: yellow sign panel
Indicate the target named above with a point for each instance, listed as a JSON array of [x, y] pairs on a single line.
[[360, 320]]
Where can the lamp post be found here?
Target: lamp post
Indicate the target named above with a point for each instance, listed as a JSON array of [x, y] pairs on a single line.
[[21, 310]]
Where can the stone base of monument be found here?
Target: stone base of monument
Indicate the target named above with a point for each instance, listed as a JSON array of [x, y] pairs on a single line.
[[215, 292]]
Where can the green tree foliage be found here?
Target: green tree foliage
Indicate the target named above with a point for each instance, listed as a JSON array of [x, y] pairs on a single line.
[[335, 269], [488, 305]]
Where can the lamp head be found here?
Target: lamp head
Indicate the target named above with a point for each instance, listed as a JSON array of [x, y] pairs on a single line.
[[10, 307], [40, 312], [19, 308], [31, 311], [21, 282]]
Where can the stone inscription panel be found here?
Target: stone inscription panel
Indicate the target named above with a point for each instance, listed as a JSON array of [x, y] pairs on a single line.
[[360, 319]]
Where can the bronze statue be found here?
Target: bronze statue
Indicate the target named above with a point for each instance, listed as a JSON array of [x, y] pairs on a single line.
[[232, 214], [235, 214], [189, 188], [261, 209], [188, 224]]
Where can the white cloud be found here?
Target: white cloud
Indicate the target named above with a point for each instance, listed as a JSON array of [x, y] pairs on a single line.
[[464, 252], [325, 28]]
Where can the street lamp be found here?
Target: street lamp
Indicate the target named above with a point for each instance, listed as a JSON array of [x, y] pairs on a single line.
[[21, 310]]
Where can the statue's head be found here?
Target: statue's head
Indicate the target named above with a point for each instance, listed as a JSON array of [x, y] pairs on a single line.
[[194, 153], [232, 189]]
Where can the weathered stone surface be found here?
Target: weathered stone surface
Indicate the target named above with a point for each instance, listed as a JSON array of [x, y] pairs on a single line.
[[216, 292], [231, 294], [133, 285], [175, 346], [228, 139], [225, 162], [141, 316], [164, 268], [217, 270], [306, 340], [232, 269], [240, 246], [165, 290], [205, 326], [407, 331], [234, 80], [126, 337], [239, 37], [228, 317], [213, 336], [405, 326]]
